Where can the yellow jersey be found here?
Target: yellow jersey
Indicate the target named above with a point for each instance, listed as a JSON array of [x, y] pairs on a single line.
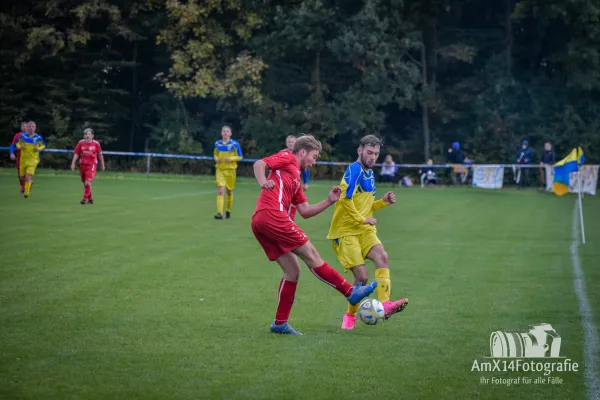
[[27, 144], [231, 149], [356, 203]]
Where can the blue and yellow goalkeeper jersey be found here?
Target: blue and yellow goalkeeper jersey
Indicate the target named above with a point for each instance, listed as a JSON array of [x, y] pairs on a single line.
[[231, 149], [356, 203], [27, 145]]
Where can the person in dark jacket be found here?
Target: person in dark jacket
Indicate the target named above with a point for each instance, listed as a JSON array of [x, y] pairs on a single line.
[[548, 160], [457, 156], [524, 157]]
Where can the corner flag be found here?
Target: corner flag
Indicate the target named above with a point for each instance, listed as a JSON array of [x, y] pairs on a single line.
[[563, 169]]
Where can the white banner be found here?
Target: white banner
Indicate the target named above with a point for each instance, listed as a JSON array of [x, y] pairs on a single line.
[[488, 176], [588, 174]]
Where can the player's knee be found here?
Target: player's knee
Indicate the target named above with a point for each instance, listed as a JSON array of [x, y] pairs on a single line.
[[229, 192], [221, 191], [383, 259]]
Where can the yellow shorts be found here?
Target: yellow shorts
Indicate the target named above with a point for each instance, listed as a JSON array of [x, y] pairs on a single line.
[[27, 169], [226, 178], [352, 250]]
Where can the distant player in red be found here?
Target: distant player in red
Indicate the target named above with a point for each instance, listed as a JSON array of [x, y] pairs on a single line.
[[15, 154], [283, 240], [88, 152]]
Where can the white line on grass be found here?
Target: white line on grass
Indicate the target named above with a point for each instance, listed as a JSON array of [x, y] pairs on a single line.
[[177, 196], [590, 334]]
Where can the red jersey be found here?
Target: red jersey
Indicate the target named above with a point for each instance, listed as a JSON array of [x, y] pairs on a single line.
[[285, 172], [88, 152]]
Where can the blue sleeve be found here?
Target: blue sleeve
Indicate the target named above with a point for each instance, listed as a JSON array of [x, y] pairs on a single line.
[[12, 149], [351, 177], [239, 149], [306, 176]]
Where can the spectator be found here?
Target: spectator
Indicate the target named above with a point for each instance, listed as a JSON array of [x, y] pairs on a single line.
[[548, 160], [428, 176], [388, 170], [524, 157], [457, 156]]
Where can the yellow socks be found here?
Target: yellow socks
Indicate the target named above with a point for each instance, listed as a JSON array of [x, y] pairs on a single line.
[[382, 276], [219, 204], [229, 201], [352, 310], [27, 188]]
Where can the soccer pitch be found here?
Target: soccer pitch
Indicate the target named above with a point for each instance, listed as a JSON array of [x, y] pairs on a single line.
[[144, 295]]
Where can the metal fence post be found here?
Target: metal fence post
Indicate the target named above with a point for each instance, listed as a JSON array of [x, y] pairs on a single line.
[[148, 164]]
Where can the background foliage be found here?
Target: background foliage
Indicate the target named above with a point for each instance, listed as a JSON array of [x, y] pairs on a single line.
[[164, 75]]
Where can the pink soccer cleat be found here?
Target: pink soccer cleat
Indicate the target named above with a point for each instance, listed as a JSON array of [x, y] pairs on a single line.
[[392, 307], [348, 321]]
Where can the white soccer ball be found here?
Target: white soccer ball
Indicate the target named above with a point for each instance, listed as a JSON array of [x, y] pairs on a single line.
[[371, 312]]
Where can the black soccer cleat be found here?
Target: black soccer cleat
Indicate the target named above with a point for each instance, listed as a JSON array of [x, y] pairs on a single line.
[[90, 201], [227, 214], [84, 201], [218, 216], [25, 197]]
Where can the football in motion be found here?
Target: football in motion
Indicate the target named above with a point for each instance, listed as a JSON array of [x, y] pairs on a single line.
[[370, 312]]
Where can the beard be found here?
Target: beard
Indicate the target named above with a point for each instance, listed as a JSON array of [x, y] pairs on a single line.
[[363, 162]]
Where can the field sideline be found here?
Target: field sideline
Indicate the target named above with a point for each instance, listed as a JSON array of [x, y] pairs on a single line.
[[145, 296]]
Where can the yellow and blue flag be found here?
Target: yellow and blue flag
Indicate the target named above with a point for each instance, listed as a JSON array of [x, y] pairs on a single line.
[[563, 169]]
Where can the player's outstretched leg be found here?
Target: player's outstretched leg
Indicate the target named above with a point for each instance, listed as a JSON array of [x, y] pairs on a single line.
[[361, 276], [286, 294], [354, 294], [379, 256]]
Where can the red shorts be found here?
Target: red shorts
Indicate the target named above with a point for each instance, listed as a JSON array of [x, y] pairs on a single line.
[[87, 172], [277, 233]]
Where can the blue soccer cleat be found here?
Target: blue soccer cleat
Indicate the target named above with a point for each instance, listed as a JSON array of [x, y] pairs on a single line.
[[284, 329], [360, 292]]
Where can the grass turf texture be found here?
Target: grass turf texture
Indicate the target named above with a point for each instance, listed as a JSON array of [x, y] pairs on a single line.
[[144, 295]]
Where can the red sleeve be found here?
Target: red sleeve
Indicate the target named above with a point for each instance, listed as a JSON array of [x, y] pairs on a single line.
[[99, 148], [299, 197], [78, 148], [278, 160], [16, 138]]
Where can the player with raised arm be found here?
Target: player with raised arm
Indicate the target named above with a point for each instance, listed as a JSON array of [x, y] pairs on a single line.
[[30, 144], [353, 232], [88, 152], [16, 154], [227, 154], [283, 240]]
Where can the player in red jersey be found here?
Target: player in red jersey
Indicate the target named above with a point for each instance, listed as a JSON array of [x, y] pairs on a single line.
[[283, 240], [88, 152], [15, 154]]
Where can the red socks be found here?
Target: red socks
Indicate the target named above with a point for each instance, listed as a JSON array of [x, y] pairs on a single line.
[[331, 277], [87, 193], [287, 292]]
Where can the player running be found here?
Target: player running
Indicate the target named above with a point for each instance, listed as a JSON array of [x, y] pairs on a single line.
[[227, 154], [353, 231], [282, 239], [30, 144], [88, 152], [16, 154]]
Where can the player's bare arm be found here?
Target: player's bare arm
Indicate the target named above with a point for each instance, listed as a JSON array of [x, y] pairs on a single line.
[[101, 158], [310, 210], [260, 170], [75, 158]]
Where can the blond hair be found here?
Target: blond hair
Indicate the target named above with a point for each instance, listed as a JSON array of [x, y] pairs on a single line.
[[371, 140], [308, 143]]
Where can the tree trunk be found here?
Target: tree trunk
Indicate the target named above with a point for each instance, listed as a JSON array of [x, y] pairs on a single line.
[[133, 97], [424, 107], [509, 36]]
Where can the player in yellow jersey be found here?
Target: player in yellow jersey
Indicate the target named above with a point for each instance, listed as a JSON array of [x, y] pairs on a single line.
[[30, 144], [353, 230], [227, 154]]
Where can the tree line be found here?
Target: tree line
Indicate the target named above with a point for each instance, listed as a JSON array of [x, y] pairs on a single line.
[[165, 75]]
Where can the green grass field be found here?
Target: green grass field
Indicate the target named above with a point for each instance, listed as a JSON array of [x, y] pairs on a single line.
[[145, 296]]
